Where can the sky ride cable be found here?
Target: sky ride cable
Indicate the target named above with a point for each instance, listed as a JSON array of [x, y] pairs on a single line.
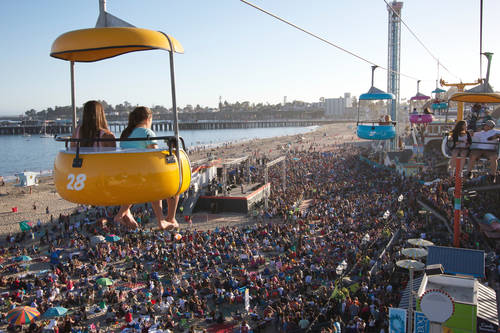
[[481, 39], [325, 41], [418, 40]]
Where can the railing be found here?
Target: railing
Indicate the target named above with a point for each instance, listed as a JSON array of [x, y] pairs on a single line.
[[171, 142], [441, 215], [448, 144], [376, 266]]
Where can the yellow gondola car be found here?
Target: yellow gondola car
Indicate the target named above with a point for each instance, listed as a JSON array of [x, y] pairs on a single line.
[[120, 177], [105, 177]]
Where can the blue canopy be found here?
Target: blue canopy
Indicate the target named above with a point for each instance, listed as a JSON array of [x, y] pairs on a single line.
[[439, 106], [22, 258], [438, 91], [57, 311], [376, 94]]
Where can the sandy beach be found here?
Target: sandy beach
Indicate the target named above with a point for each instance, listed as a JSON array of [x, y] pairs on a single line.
[[44, 195]]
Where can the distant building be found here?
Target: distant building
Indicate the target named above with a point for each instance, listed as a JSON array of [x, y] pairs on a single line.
[[337, 107]]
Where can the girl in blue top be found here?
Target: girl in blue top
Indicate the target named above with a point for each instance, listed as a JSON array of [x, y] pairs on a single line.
[[139, 126]]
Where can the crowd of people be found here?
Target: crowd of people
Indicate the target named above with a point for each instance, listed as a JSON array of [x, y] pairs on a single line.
[[315, 262]]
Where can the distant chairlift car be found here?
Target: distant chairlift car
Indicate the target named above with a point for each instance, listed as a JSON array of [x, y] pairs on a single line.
[[438, 104], [375, 129]]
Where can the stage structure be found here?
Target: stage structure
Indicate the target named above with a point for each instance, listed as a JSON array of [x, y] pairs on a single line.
[[230, 162]]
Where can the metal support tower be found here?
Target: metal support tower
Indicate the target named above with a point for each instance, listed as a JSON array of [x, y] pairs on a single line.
[[393, 62], [457, 202]]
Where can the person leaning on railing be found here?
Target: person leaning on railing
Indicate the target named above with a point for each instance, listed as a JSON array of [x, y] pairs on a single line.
[[484, 145]]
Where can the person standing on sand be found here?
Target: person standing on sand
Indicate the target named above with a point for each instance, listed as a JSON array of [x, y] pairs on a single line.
[[139, 126]]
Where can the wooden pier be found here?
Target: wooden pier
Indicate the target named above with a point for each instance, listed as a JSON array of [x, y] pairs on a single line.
[[34, 129], [167, 125]]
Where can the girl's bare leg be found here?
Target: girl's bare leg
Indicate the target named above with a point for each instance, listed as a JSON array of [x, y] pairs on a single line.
[[172, 208], [162, 223]]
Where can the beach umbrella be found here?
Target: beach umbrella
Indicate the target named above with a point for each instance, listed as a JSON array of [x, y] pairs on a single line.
[[22, 258], [25, 225], [22, 315], [57, 311], [96, 240], [420, 242], [104, 281], [412, 265], [112, 238], [414, 252]]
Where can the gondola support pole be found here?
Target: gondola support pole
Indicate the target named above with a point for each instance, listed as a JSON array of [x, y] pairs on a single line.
[[73, 103]]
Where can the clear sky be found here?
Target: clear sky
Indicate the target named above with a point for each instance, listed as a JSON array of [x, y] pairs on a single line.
[[234, 51]]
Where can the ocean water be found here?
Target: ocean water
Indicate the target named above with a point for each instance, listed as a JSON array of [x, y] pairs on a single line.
[[19, 153]]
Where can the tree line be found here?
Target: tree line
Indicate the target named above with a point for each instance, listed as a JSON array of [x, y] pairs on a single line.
[[226, 110]]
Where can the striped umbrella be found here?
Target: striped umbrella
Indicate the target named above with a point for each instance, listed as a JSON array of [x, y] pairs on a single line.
[[22, 315], [414, 252], [420, 242], [112, 238]]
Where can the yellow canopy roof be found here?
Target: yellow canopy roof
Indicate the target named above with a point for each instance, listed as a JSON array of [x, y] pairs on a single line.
[[87, 45], [468, 97]]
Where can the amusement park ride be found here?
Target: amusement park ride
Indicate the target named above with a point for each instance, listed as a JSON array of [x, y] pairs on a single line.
[[419, 121], [118, 176], [375, 129], [482, 94]]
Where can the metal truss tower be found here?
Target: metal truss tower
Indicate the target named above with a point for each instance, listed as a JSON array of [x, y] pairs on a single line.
[[393, 62]]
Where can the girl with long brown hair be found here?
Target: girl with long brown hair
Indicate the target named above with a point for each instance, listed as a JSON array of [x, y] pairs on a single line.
[[460, 144], [93, 125]]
